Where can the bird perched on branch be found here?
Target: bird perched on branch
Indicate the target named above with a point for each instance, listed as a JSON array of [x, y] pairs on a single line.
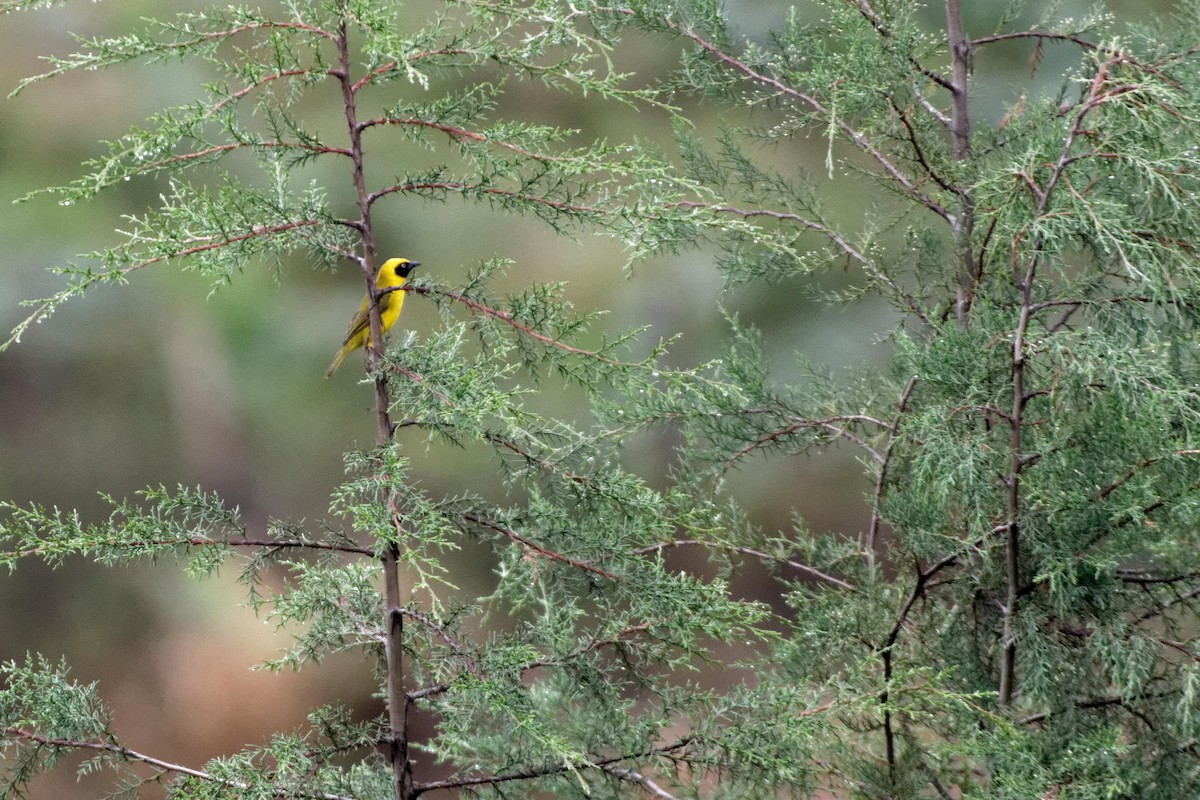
[[392, 275]]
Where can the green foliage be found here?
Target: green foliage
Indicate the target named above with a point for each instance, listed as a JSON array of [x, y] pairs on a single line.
[[1014, 617]]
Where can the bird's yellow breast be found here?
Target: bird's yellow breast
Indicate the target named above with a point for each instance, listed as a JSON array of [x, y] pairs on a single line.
[[390, 305]]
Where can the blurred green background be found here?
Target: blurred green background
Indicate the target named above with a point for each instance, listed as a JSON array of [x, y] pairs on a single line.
[[158, 382]]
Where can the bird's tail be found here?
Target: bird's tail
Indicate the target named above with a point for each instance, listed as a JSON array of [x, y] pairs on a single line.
[[337, 361]]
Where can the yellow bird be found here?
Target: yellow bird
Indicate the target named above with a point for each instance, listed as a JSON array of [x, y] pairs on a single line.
[[392, 275]]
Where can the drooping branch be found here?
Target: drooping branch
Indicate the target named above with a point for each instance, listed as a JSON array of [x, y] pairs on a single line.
[[529, 545], [835, 425], [192, 246], [856, 136], [810, 571], [546, 771], [509, 320], [853, 253], [595, 643], [163, 766]]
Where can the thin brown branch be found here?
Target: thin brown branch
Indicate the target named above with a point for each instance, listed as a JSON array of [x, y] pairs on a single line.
[[240, 93], [1181, 647], [1145, 577], [440, 631], [508, 319], [881, 478], [225, 148], [886, 657], [200, 541], [1102, 702], [545, 771], [868, 266], [1018, 459], [812, 572], [641, 780], [859, 139], [595, 643], [831, 424], [502, 442], [529, 545], [279, 544], [462, 134], [1179, 599], [1041, 35], [1134, 470], [546, 465], [206, 243], [871, 16], [918, 151], [387, 67], [157, 763], [463, 188]]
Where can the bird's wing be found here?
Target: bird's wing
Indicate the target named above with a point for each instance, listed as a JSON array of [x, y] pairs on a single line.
[[362, 320]]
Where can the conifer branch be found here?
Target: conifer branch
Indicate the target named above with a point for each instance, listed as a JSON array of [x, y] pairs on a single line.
[[918, 149], [442, 633], [872, 16], [857, 137], [831, 424], [887, 657], [812, 572], [833, 236], [650, 786], [508, 319], [234, 97], [1141, 576], [1018, 460], [547, 771], [460, 134], [1134, 470], [106, 53], [1179, 599], [465, 188], [219, 149], [126, 754], [195, 246], [544, 464], [528, 545], [595, 643]]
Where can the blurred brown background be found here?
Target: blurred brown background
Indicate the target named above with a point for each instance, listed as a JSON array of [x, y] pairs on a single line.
[[153, 383]]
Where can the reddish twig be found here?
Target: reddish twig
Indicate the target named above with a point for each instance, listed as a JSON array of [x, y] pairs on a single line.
[[750, 551], [528, 544], [881, 478]]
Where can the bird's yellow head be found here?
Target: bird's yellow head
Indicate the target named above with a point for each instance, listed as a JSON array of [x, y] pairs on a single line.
[[395, 271]]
